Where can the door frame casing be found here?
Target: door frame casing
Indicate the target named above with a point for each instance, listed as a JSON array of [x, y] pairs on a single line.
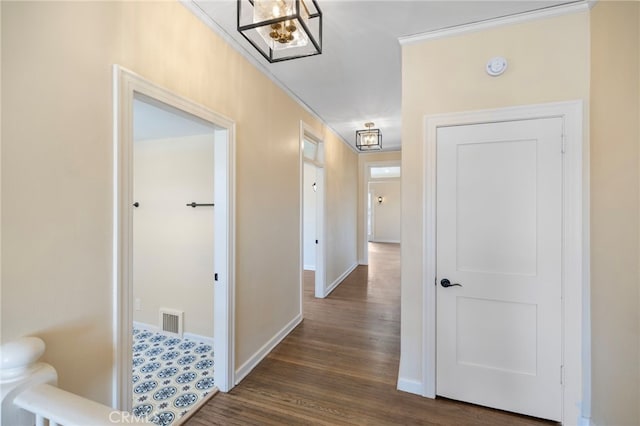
[[126, 85], [307, 131], [576, 341]]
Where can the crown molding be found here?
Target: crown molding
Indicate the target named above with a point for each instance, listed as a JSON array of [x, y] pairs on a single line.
[[548, 12], [194, 8]]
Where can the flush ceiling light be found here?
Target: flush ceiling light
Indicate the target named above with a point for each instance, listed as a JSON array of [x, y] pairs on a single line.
[[369, 139], [281, 29]]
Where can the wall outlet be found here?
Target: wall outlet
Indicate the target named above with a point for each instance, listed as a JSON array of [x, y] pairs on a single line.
[[137, 304]]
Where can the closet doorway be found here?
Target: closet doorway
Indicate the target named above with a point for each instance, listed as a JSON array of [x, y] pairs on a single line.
[[173, 251]]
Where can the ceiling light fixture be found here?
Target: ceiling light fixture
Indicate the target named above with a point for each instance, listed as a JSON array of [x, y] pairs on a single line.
[[369, 139], [281, 29]]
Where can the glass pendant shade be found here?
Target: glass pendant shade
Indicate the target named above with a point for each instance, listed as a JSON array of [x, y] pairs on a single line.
[[369, 139], [281, 29]]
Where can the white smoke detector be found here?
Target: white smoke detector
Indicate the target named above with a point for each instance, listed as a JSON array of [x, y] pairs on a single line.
[[496, 66]]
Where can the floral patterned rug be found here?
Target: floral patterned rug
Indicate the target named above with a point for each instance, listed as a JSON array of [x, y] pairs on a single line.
[[170, 375]]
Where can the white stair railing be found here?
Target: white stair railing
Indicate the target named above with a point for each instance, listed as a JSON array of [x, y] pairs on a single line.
[[65, 408], [30, 394]]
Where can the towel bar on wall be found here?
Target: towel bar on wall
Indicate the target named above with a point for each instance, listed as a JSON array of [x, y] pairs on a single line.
[[194, 205]]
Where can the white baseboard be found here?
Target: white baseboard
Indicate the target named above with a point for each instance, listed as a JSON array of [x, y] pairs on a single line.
[[199, 338], [415, 387], [255, 359], [156, 329], [411, 386], [386, 241], [584, 421], [145, 326], [309, 267], [338, 280]]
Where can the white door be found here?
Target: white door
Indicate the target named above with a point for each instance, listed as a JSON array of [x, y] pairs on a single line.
[[499, 235]]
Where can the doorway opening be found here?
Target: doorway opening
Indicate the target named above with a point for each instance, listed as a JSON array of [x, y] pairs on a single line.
[[173, 236], [173, 253], [312, 212], [382, 204]]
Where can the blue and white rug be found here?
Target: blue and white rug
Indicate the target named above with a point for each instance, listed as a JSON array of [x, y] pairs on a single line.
[[170, 375]]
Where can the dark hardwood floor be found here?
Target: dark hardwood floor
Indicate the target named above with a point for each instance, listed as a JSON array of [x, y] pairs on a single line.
[[340, 365]]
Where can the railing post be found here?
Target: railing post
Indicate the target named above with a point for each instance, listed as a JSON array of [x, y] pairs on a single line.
[[19, 370]]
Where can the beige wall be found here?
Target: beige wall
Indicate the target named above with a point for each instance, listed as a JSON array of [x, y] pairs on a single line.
[[363, 159], [57, 178], [615, 137], [386, 215], [341, 204], [548, 62], [172, 243], [56, 184]]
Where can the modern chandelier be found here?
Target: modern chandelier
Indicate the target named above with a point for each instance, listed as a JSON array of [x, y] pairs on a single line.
[[281, 29], [369, 139]]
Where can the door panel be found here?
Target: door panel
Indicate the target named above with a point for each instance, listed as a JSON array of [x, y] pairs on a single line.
[[483, 335], [496, 202], [499, 207]]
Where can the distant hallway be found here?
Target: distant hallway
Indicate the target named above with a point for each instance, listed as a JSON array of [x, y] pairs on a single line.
[[340, 365]]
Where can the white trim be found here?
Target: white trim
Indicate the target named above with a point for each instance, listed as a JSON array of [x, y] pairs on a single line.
[[199, 338], [585, 408], [339, 280], [309, 267], [409, 385], [224, 258], [321, 247], [576, 341], [585, 421], [145, 326], [375, 240], [126, 85], [548, 12], [259, 355], [194, 8]]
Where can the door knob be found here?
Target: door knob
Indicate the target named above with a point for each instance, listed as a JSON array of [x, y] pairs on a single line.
[[446, 283]]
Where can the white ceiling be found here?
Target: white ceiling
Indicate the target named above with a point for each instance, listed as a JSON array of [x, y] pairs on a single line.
[[357, 78], [157, 121]]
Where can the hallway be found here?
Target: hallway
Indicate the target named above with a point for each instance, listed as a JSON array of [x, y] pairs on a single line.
[[340, 365]]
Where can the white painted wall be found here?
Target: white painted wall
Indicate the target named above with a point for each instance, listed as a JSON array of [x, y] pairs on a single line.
[[173, 243], [386, 216], [310, 217]]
